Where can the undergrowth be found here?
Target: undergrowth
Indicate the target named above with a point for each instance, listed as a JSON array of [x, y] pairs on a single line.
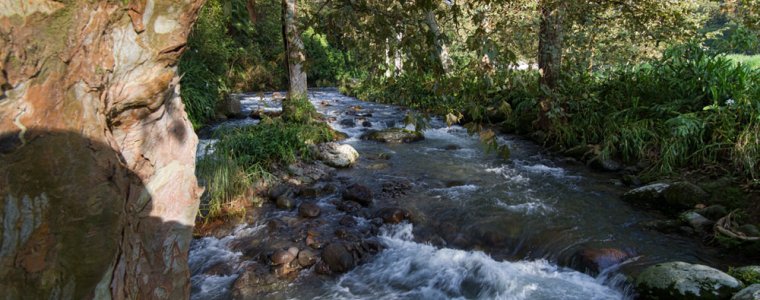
[[688, 109]]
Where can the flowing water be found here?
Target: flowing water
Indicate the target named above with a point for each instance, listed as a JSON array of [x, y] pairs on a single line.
[[484, 226]]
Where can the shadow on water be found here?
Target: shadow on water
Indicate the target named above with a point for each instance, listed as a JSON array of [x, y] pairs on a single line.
[[76, 223]]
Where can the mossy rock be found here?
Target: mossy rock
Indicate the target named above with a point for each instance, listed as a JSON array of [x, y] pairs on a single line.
[[394, 136], [680, 280]]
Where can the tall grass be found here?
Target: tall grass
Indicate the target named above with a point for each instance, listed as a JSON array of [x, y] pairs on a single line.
[[244, 156]]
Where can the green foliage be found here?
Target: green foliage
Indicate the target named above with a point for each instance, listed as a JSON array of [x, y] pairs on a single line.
[[271, 143], [204, 78], [299, 110], [745, 276], [246, 155], [689, 108]]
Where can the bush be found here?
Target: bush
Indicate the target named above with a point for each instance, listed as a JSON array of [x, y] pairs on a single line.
[[689, 108]]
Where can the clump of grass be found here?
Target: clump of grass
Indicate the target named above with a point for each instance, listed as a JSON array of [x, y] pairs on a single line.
[[244, 156], [225, 181]]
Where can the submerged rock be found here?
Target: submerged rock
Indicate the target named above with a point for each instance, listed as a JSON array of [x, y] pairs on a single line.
[[596, 260], [337, 155], [394, 136], [359, 194], [347, 123], [680, 280], [393, 215]]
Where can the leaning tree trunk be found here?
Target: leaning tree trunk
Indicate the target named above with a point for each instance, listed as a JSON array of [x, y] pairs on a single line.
[[549, 57], [295, 57], [97, 188]]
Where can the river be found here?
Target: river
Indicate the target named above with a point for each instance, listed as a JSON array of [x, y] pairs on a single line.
[[484, 227]]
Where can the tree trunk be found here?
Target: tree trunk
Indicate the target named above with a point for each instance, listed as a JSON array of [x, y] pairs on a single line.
[[97, 156], [442, 50], [295, 57], [549, 57]]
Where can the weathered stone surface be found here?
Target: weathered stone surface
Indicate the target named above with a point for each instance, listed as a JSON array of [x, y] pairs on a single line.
[[358, 193], [394, 136], [97, 157], [680, 280], [751, 292], [337, 155]]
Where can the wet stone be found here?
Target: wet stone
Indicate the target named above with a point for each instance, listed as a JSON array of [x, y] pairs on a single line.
[[307, 258], [309, 210], [285, 202], [347, 221], [358, 193]]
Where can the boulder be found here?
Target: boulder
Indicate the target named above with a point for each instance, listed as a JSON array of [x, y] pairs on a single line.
[[668, 197], [338, 258], [309, 210], [230, 107], [282, 257], [751, 292], [680, 280], [359, 194], [337, 155], [279, 190], [597, 260], [394, 136], [286, 202], [697, 221], [307, 258]]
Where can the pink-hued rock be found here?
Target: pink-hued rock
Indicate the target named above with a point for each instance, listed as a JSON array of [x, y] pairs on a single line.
[[97, 156]]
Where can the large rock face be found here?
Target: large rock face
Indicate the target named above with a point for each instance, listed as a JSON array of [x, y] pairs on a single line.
[[97, 188]]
